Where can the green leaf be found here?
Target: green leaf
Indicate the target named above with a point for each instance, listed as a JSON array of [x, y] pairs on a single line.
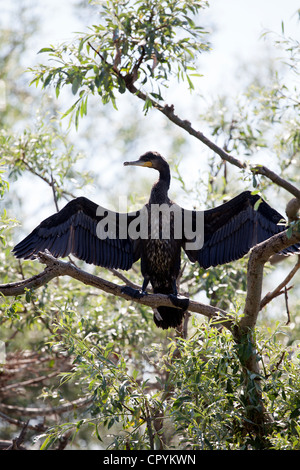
[[48, 442], [76, 84], [47, 80], [46, 49], [71, 108], [257, 204]]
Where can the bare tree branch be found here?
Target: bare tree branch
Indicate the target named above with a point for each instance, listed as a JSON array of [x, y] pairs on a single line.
[[56, 268], [278, 291], [278, 180], [287, 306], [29, 382], [42, 411], [168, 111]]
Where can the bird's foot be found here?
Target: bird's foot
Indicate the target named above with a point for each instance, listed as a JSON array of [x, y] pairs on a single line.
[[134, 293], [179, 301]]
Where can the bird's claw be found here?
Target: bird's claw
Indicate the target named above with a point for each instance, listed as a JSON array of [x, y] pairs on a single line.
[[134, 293], [180, 302]]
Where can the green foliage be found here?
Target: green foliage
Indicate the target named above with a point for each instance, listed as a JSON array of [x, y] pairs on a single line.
[[45, 152], [144, 42], [194, 399]]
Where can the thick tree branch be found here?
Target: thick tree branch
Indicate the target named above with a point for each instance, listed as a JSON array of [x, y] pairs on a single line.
[[259, 255], [56, 268]]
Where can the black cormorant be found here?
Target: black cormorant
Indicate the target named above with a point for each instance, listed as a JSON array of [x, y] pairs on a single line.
[[114, 240]]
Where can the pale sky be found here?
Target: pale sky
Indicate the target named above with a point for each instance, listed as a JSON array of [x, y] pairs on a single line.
[[239, 25], [236, 29]]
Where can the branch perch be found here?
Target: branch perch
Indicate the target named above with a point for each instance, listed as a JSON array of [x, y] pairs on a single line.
[[56, 268]]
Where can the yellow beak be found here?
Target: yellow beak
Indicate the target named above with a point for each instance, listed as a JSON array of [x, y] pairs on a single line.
[[139, 163]]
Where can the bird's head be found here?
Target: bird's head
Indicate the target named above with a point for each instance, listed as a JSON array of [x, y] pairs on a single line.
[[150, 160]]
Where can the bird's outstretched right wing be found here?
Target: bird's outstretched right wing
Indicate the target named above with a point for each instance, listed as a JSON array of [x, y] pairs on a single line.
[[75, 230]]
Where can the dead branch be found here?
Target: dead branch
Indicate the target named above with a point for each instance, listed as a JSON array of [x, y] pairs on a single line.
[[168, 111], [287, 306], [19, 423]]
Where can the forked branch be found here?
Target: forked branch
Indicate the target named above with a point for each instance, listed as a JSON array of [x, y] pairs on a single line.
[[259, 255]]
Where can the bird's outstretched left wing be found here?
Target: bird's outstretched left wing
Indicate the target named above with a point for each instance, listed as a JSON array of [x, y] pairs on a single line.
[[233, 228]]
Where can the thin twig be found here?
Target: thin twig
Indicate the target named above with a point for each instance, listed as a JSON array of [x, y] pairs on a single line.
[[278, 291], [287, 306], [18, 441], [29, 382], [43, 411], [259, 255], [276, 366], [54, 192]]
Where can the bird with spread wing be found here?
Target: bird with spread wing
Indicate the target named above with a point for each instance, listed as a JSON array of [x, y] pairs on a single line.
[[224, 234]]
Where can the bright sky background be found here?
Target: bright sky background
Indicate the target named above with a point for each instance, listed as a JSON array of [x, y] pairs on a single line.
[[236, 27], [237, 38]]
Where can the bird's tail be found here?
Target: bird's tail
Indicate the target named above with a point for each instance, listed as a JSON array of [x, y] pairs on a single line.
[[168, 317]]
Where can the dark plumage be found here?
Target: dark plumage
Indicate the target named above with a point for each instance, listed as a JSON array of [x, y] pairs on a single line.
[[230, 230]]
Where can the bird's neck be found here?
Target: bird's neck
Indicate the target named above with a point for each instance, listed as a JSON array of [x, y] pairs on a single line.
[[159, 193]]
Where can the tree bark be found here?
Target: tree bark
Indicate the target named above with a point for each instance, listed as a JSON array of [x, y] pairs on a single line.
[[56, 268]]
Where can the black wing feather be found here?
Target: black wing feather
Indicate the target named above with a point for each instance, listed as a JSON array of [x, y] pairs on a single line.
[[232, 229], [73, 231]]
